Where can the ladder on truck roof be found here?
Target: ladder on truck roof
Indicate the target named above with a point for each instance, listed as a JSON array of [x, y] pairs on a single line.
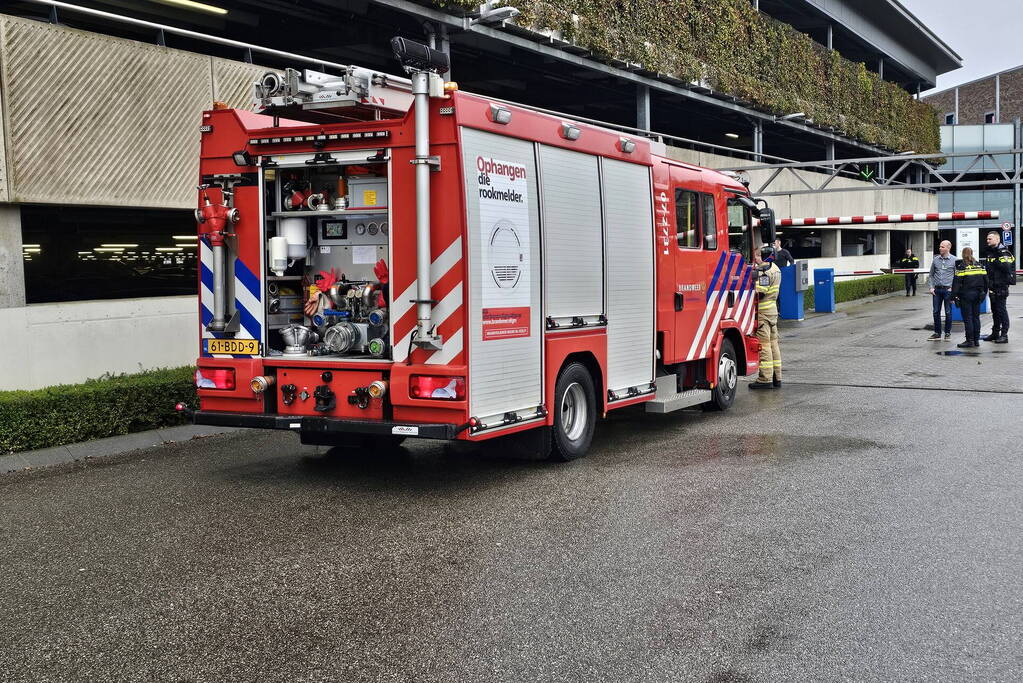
[[357, 94]]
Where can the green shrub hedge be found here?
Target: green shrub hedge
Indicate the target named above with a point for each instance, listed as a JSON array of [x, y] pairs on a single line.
[[737, 51], [70, 413], [850, 290]]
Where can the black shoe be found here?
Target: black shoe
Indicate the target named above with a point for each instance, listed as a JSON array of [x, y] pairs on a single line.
[[976, 343], [758, 386], [989, 337], [965, 345], [1001, 340], [934, 337], [776, 383], [907, 293], [948, 335]]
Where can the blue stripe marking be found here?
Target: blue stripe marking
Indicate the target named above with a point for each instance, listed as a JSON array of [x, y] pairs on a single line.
[[245, 276], [207, 315], [249, 322], [207, 276], [726, 277], [717, 273]]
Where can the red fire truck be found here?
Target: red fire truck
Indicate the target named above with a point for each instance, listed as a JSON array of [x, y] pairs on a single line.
[[384, 258]]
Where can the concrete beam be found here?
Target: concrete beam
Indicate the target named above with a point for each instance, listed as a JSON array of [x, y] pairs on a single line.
[[12, 262]]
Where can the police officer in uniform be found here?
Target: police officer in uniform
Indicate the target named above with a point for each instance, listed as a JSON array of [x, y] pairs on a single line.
[[909, 261], [768, 285], [969, 286], [1001, 272]]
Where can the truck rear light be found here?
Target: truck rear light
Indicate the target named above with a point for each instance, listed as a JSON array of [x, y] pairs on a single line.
[[429, 386], [214, 378]]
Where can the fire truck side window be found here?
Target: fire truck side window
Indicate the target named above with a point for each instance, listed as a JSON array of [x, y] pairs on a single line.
[[710, 222], [687, 221], [739, 228]]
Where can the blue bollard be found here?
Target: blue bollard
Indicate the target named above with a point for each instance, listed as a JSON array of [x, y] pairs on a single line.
[[957, 313], [790, 302], [824, 290]]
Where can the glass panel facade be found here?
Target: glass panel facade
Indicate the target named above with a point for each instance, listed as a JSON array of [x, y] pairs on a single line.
[[103, 253], [972, 139], [1001, 200]]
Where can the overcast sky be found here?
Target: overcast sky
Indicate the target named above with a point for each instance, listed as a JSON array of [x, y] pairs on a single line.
[[987, 34]]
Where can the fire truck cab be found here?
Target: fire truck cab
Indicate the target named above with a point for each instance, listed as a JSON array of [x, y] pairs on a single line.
[[384, 258]]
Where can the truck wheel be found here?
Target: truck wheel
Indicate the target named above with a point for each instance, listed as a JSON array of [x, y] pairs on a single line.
[[575, 413], [723, 394]]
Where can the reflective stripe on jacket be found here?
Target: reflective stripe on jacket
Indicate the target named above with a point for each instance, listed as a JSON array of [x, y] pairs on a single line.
[[768, 286], [969, 276]]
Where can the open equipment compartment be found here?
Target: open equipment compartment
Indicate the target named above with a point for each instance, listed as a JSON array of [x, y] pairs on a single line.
[[327, 257]]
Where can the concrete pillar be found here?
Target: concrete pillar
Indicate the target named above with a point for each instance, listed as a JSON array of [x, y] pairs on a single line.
[[831, 243], [643, 107], [12, 264], [882, 242]]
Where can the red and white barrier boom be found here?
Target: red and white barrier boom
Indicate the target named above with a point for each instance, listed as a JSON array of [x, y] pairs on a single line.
[[891, 218]]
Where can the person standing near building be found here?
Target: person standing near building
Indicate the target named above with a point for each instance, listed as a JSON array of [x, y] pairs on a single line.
[[909, 261], [1001, 272], [942, 272], [768, 285], [969, 287], [782, 257]]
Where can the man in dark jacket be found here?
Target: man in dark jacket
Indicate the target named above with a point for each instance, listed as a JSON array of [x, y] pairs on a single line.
[[909, 261], [1001, 272], [782, 257]]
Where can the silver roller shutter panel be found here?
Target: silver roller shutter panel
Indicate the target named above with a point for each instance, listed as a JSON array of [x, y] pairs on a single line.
[[573, 244], [628, 231]]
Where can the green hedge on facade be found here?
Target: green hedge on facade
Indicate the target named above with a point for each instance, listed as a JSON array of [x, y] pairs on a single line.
[[71, 413], [850, 290], [741, 52]]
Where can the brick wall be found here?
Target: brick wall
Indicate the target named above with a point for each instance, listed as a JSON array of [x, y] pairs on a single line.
[[944, 102], [978, 98], [975, 100], [1012, 95]]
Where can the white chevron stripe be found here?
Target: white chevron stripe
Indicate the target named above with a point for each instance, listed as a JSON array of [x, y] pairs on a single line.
[[703, 324], [438, 269], [452, 347], [712, 328], [743, 310], [245, 299], [747, 313], [444, 308]]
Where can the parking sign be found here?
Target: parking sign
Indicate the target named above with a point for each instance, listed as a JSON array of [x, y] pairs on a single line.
[[1007, 234]]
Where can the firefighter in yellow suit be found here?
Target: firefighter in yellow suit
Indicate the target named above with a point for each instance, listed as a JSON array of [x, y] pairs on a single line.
[[768, 285]]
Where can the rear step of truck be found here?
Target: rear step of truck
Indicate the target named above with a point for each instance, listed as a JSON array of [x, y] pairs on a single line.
[[670, 399]]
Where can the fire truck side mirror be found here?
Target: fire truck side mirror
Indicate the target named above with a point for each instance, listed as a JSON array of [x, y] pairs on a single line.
[[767, 225], [418, 57]]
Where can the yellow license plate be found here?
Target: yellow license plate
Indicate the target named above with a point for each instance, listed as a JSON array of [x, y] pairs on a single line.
[[239, 347]]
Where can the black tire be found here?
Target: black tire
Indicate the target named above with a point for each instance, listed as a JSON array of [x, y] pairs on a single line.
[[723, 394], [575, 413]]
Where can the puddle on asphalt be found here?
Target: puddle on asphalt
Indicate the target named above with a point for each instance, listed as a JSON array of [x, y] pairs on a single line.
[[956, 353]]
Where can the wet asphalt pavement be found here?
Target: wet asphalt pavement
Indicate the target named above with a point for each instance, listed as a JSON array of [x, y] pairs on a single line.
[[853, 526]]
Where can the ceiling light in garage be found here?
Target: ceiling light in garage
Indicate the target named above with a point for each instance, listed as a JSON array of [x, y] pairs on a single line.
[[194, 6]]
